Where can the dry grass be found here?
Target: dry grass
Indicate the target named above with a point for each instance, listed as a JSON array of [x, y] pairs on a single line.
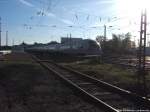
[[26, 87], [107, 72]]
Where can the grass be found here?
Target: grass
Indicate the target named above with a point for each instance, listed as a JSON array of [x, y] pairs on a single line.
[[106, 72], [31, 85]]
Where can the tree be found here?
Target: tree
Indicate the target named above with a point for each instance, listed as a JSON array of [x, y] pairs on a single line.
[[116, 43], [93, 44], [119, 44], [52, 43], [100, 39]]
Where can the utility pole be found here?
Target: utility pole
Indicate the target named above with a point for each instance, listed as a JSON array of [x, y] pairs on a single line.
[[6, 38], [104, 41], [13, 42], [0, 32], [70, 42], [105, 32], [141, 56], [103, 53]]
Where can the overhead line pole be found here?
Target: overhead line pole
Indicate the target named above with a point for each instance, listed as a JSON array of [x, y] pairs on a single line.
[[142, 55], [105, 33], [103, 53], [0, 32], [6, 38], [105, 38], [70, 41]]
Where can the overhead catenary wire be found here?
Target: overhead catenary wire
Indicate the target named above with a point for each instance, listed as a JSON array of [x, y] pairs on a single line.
[[112, 20]]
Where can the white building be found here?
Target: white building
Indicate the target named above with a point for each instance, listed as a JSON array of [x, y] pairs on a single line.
[[74, 43]]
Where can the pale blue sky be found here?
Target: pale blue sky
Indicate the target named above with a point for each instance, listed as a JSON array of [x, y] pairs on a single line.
[[47, 20]]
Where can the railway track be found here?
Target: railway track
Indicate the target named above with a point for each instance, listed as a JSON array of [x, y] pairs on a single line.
[[102, 94], [128, 63]]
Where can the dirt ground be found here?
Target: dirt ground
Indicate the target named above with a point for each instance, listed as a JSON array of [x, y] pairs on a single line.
[[26, 87]]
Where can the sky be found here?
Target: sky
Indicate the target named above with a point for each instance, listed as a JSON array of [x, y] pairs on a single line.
[[43, 21]]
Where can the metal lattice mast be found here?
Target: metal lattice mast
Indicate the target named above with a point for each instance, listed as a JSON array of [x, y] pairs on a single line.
[[141, 55]]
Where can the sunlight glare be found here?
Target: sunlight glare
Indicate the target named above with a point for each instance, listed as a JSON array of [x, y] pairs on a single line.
[[130, 11], [132, 6]]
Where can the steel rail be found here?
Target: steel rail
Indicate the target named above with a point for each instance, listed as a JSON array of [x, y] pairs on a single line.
[[85, 95], [129, 95], [125, 93]]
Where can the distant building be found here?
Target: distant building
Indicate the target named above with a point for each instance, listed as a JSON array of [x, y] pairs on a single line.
[[19, 48], [148, 51], [73, 43], [85, 44], [67, 45], [79, 46]]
